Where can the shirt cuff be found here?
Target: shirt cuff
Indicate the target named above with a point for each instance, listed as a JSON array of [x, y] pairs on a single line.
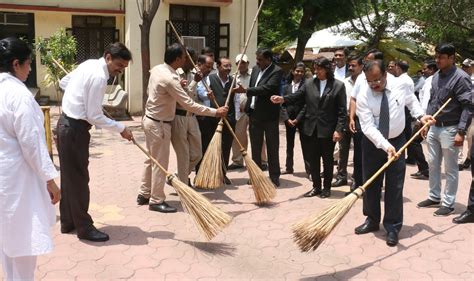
[[385, 145]]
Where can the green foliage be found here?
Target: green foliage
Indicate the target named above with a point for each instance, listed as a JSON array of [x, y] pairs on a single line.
[[60, 47], [281, 21], [442, 21]]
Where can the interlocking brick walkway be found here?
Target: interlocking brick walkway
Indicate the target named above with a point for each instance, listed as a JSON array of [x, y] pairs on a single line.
[[257, 245]]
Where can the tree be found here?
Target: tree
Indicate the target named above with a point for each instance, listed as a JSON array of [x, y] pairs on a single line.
[[59, 48], [442, 21], [287, 20], [147, 10]]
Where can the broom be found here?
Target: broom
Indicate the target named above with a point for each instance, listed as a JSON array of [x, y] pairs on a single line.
[[208, 218], [312, 231]]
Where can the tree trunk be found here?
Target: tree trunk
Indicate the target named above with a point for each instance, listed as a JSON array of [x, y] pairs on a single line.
[[145, 51], [306, 27], [148, 14]]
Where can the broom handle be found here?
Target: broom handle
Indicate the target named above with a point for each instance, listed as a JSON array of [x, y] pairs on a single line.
[[208, 89], [232, 84], [67, 72], [373, 177], [151, 158]]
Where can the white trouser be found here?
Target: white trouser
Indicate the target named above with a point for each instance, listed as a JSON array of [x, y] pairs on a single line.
[[19, 268]]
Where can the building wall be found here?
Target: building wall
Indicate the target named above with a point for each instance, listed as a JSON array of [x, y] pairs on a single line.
[[239, 15]]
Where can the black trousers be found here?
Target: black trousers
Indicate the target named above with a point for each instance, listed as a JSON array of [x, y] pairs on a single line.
[[344, 147], [470, 200], [258, 129], [394, 181], [417, 151], [207, 126], [318, 148], [358, 155], [73, 150], [290, 145], [408, 133]]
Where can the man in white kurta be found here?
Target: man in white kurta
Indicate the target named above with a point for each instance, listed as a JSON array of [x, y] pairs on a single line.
[[26, 212]]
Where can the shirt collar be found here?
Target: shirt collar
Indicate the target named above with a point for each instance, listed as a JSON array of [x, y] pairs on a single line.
[[170, 68], [263, 71], [449, 72], [104, 67]]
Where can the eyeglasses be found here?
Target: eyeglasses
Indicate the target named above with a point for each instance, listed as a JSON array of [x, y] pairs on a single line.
[[376, 82]]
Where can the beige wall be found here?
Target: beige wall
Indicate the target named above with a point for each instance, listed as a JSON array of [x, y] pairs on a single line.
[[239, 15]]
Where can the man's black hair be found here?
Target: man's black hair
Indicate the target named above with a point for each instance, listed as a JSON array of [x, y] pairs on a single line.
[[173, 52], [118, 50]]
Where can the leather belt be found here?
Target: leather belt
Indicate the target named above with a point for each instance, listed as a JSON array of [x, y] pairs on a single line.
[[182, 112], [156, 120], [446, 123]]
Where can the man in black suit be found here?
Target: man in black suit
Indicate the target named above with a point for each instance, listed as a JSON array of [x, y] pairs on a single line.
[[325, 118], [220, 83], [264, 115]]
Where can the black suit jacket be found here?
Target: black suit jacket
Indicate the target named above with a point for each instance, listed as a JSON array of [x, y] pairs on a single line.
[[221, 94], [268, 86], [292, 111], [323, 113]]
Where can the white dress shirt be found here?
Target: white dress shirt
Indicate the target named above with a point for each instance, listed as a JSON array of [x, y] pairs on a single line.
[[368, 111], [405, 79], [84, 90], [260, 74], [349, 83], [425, 93], [340, 73], [322, 86]]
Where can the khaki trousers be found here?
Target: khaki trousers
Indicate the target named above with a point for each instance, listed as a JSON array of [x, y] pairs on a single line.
[[241, 131], [158, 138], [186, 140]]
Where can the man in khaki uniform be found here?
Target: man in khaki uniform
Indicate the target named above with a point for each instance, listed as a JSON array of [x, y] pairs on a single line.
[[164, 90], [185, 134], [242, 124]]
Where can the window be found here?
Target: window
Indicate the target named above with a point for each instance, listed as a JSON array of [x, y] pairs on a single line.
[[199, 22], [20, 25], [93, 34]]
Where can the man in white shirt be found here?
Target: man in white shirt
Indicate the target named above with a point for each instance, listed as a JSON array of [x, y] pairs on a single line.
[[429, 68], [84, 90], [381, 111], [355, 68], [341, 68]]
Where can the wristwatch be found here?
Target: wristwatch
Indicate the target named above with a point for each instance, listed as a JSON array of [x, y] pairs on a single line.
[[461, 132]]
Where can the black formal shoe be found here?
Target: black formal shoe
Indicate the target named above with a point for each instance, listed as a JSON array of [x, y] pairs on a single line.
[[392, 239], [162, 208], [366, 227], [467, 163], [264, 167], [417, 174], [461, 167], [275, 181], [339, 182], [234, 166], [466, 217], [287, 172], [142, 200], [325, 193], [313, 192], [227, 181], [420, 176], [65, 228], [92, 234]]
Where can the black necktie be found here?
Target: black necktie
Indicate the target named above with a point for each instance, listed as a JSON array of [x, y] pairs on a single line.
[[384, 121]]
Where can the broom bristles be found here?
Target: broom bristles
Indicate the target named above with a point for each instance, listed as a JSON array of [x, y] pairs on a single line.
[[210, 174], [262, 186], [311, 232], [208, 218]]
